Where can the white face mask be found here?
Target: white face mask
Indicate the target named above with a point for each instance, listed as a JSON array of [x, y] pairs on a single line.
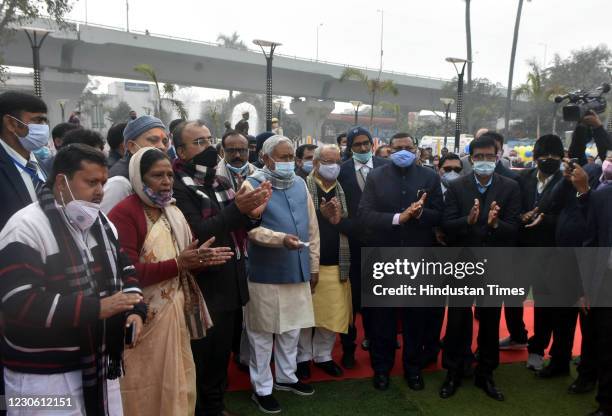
[[82, 214]]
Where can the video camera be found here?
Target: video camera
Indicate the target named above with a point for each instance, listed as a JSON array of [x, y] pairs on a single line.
[[581, 102]]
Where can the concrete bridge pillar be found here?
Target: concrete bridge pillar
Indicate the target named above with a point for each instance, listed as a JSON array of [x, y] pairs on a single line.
[[312, 113], [61, 86]]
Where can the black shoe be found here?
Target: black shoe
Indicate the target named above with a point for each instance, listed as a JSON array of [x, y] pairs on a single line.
[[330, 368], [348, 359], [381, 381], [450, 386], [600, 412], [303, 370], [299, 388], [365, 344], [266, 404], [488, 386], [581, 385], [553, 371], [415, 383]]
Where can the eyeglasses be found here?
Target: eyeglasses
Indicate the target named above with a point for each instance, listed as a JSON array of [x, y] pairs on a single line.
[[489, 157], [329, 162], [451, 169], [365, 145], [232, 151], [201, 141]]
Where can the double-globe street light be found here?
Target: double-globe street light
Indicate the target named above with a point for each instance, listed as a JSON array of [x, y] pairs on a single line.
[[269, 55], [458, 114], [36, 36]]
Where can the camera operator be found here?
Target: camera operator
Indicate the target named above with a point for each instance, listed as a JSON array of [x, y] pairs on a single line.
[[587, 129]]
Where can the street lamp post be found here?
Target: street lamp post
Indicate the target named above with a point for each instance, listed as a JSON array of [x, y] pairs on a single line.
[[36, 36], [447, 104], [269, 57], [62, 103], [356, 105], [318, 27], [458, 113], [382, 31]]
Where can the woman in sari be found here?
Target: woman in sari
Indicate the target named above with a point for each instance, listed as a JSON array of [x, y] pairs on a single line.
[[159, 371]]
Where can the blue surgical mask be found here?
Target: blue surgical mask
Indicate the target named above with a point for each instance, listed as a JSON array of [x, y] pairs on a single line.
[[238, 171], [363, 157], [307, 166], [284, 168], [329, 172], [403, 158], [484, 168], [37, 137]]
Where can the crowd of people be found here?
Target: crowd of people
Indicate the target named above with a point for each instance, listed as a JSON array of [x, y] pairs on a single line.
[[133, 269]]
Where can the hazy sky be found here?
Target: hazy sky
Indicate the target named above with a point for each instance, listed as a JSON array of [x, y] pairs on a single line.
[[417, 34]]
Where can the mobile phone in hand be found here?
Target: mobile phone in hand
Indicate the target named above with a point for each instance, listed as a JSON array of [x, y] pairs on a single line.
[[130, 334]]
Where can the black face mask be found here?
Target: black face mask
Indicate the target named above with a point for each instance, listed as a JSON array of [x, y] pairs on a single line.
[[549, 166], [205, 164], [253, 156]]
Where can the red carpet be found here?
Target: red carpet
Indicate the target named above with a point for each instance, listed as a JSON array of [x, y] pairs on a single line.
[[239, 380]]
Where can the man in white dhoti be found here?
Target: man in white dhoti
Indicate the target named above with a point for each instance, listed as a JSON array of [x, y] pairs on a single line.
[[284, 264]]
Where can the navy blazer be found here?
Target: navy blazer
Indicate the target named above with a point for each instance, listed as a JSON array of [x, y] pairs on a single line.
[[390, 190], [14, 192]]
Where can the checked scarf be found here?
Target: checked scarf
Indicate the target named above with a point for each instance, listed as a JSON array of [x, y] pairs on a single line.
[[344, 255], [202, 180], [101, 344]]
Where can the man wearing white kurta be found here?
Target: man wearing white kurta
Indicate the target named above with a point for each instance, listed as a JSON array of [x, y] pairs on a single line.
[[284, 264]]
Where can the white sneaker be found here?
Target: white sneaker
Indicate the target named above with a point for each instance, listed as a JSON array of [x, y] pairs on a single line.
[[535, 362], [509, 344]]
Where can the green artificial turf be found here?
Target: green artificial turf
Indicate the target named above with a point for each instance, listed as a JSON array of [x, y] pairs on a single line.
[[526, 395]]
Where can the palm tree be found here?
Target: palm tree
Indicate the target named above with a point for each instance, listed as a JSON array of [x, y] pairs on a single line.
[[165, 93], [517, 24], [231, 41], [374, 86], [536, 91]]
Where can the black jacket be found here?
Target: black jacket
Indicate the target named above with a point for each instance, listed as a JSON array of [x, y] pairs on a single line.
[[390, 190], [15, 195], [224, 287], [352, 192], [460, 198], [542, 235], [599, 234]]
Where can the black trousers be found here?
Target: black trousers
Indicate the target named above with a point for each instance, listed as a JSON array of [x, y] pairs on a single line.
[[211, 355], [601, 319], [560, 323], [420, 327], [515, 323], [588, 366], [459, 328]]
